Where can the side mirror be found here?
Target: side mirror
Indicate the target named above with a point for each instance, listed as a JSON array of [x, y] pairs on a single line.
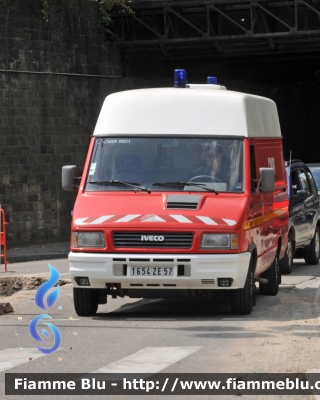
[[267, 180], [69, 176], [301, 195]]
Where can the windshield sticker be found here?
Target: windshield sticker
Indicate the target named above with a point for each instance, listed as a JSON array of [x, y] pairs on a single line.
[[92, 168], [108, 141]]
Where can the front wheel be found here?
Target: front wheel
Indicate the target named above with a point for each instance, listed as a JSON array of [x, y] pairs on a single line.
[[312, 257], [85, 301], [243, 300], [273, 277]]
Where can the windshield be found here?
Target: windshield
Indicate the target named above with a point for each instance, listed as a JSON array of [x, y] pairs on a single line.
[[171, 164]]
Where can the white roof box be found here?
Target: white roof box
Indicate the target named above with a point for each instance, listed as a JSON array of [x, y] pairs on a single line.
[[188, 111]]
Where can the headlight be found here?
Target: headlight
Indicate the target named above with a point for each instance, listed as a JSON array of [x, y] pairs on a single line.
[[219, 241], [88, 239]]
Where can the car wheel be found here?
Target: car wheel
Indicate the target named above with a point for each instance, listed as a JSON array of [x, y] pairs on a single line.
[[286, 262], [312, 257], [273, 277], [243, 300], [85, 301]]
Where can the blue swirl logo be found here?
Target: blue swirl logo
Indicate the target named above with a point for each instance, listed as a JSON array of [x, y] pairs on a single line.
[[40, 302]]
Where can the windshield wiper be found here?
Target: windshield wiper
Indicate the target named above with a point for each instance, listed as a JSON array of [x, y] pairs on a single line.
[[178, 184], [132, 185]]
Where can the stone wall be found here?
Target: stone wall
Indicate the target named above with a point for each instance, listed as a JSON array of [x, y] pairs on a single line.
[[54, 77]]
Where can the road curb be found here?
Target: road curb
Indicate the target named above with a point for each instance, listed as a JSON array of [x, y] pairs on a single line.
[[317, 303], [36, 257]]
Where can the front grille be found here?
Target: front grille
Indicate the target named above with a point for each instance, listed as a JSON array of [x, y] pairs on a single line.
[[170, 240]]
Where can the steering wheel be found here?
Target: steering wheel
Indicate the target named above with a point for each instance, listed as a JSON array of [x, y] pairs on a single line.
[[204, 178]]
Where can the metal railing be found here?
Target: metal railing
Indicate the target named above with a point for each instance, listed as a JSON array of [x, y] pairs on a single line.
[[3, 238]]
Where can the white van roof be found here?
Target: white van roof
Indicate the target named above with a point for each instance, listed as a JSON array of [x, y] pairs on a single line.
[[188, 111]]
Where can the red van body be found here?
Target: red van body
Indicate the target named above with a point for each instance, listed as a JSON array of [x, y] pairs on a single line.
[[151, 221]]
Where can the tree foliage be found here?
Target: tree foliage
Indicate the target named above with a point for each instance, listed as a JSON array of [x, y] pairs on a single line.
[[106, 8]]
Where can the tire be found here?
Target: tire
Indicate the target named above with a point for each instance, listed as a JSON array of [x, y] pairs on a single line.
[[243, 300], [286, 262], [273, 276], [85, 301], [312, 257]]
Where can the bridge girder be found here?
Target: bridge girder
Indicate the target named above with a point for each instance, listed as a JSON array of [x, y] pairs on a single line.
[[218, 28]]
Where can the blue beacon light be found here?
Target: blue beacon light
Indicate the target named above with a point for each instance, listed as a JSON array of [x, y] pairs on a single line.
[[180, 79], [212, 80]]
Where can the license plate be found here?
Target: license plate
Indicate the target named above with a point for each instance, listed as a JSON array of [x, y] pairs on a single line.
[[151, 271]]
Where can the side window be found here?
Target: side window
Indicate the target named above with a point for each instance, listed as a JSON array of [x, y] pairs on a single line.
[[253, 174], [304, 182], [295, 183]]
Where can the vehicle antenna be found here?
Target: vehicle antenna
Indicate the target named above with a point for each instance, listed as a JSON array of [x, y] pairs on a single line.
[[290, 164], [290, 159]]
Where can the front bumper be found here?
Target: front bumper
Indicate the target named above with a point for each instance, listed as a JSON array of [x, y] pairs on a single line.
[[200, 271]]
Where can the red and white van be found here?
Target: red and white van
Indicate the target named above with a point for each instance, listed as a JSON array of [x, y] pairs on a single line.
[[183, 193]]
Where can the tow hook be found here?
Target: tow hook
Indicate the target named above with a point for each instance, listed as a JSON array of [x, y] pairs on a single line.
[[113, 291]]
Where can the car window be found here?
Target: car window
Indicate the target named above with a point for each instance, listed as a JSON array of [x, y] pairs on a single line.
[[312, 182], [316, 176], [299, 181], [295, 182], [304, 182]]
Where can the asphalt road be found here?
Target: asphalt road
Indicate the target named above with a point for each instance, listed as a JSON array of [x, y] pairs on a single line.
[[167, 336]]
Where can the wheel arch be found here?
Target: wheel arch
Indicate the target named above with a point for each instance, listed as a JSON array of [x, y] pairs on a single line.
[[292, 232], [254, 256], [279, 245]]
